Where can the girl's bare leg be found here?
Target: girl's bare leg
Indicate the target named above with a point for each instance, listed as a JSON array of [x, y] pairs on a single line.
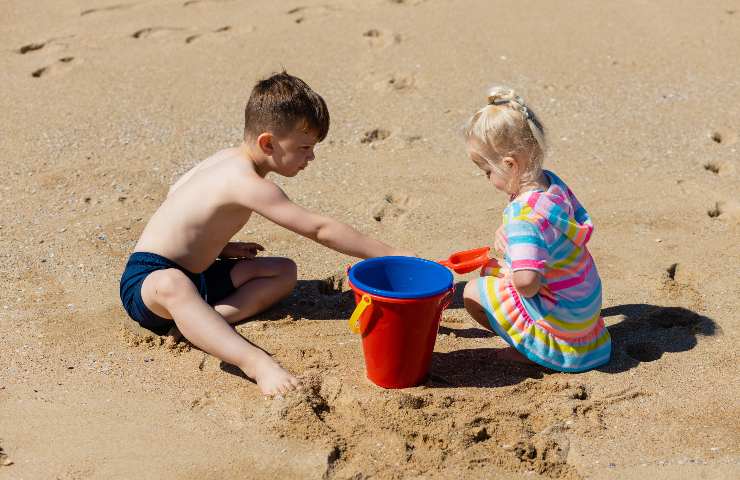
[[471, 298]]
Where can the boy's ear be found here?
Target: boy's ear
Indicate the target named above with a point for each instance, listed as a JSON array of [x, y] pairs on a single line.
[[265, 143]]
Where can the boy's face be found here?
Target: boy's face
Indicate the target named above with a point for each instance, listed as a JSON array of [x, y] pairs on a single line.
[[292, 152]]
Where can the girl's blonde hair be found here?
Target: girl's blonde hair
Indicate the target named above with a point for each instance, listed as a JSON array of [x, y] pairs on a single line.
[[506, 127]]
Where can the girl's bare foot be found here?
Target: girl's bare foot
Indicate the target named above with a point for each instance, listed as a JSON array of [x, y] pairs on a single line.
[[273, 379]]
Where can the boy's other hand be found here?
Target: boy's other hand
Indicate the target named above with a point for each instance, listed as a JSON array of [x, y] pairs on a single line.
[[241, 250]]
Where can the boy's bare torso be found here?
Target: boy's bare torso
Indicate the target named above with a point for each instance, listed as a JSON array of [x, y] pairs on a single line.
[[202, 212]]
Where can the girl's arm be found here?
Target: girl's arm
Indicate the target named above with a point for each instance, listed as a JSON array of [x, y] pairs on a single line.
[[526, 282]]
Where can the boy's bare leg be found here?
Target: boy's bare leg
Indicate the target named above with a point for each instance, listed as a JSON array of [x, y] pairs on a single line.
[[170, 294], [471, 298], [259, 283]]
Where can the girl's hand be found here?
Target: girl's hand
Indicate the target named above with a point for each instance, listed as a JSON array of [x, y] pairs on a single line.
[[241, 250], [492, 268], [500, 242]]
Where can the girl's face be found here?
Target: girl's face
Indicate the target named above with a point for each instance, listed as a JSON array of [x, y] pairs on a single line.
[[494, 176]]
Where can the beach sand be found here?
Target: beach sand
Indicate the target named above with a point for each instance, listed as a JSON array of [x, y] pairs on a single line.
[[105, 103]]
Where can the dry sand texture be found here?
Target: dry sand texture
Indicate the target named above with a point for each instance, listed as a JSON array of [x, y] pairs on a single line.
[[105, 102]]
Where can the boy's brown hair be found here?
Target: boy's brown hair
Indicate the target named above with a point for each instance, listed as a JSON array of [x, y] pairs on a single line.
[[281, 103]]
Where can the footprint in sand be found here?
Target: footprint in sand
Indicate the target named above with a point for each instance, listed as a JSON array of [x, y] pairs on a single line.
[[51, 45], [715, 211], [201, 402], [60, 66], [110, 8], [5, 460], [303, 13], [375, 135], [192, 38], [728, 211], [381, 38], [678, 284], [155, 32], [199, 2], [408, 2], [399, 82], [723, 136], [719, 167], [393, 206]]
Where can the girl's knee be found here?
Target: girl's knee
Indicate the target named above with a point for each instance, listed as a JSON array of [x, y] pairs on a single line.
[[471, 292]]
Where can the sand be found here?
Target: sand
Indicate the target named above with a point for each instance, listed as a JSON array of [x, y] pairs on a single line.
[[105, 103]]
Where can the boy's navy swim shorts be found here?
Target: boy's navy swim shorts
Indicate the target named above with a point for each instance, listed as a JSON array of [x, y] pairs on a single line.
[[213, 284]]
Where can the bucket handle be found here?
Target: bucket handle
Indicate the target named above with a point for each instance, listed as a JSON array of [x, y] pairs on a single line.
[[354, 320], [448, 300]]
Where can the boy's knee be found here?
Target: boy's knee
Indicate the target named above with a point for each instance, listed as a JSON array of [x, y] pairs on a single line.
[[170, 283], [288, 269]]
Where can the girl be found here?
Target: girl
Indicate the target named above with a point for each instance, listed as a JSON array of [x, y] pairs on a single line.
[[546, 302]]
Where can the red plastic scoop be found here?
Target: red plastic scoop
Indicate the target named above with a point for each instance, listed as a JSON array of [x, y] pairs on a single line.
[[468, 260]]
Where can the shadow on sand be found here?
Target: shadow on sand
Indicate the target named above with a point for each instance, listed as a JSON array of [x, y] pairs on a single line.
[[644, 334]]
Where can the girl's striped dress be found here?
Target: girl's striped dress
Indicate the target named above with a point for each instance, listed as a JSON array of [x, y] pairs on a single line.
[[561, 327]]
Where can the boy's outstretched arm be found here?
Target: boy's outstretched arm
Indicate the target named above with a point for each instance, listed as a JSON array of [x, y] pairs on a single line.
[[270, 201]]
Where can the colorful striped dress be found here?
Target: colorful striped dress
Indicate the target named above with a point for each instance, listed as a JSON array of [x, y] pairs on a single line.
[[561, 326]]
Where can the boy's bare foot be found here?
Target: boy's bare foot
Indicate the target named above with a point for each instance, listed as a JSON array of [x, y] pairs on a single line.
[[510, 354], [273, 379]]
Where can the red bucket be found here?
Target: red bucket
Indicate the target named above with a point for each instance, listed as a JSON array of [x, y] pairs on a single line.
[[398, 335]]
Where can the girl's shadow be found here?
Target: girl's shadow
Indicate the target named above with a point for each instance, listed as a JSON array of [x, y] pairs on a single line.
[[645, 333], [648, 331]]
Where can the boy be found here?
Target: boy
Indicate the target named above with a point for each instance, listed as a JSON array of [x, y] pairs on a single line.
[[184, 269]]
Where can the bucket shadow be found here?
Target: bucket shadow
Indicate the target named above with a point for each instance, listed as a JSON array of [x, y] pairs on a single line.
[[649, 331], [466, 332]]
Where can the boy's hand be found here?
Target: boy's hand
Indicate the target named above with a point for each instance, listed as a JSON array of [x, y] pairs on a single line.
[[241, 250], [500, 242]]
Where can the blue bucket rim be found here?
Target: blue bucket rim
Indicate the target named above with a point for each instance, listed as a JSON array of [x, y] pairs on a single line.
[[391, 294]]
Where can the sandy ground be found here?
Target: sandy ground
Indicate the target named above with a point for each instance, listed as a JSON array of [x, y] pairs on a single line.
[[105, 103]]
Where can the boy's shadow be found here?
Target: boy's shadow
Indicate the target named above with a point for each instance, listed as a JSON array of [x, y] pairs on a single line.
[[326, 299], [649, 331]]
